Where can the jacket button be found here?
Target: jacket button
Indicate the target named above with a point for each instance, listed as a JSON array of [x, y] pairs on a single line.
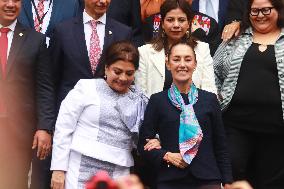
[[281, 75]]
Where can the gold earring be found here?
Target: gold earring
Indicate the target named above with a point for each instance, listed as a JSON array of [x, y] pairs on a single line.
[[187, 34]]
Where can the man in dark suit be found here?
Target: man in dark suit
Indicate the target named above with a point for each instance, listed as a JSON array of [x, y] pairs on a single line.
[[43, 15], [128, 13], [23, 57], [75, 48], [55, 11]]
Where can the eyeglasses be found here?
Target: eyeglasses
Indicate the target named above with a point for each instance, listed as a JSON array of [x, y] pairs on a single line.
[[265, 11]]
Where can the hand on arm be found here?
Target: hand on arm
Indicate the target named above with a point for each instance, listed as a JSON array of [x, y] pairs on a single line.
[[152, 144], [42, 141], [175, 159], [57, 180]]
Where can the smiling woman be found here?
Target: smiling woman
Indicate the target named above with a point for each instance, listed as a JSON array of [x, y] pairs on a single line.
[[249, 77], [95, 129], [152, 75], [193, 153]]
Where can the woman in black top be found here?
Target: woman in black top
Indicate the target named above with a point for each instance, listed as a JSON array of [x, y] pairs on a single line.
[[249, 77]]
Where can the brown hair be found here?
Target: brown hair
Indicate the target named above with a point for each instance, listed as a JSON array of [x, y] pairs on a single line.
[[121, 50], [160, 41]]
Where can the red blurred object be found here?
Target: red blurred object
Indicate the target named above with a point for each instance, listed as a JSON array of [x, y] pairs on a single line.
[[101, 177]]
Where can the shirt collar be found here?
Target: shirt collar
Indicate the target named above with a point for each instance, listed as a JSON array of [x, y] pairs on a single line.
[[11, 26], [87, 18]]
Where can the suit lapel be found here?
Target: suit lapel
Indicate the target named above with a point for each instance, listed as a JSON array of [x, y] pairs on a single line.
[[108, 40], [19, 37], [81, 48], [27, 8]]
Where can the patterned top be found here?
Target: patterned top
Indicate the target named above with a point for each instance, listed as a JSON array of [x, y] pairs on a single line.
[[98, 122], [227, 63]]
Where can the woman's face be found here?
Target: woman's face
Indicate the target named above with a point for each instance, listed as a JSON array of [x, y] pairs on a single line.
[[263, 23], [120, 75], [181, 63], [175, 25]]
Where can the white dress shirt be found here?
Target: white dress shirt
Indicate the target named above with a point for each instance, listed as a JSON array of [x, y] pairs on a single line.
[[10, 35], [209, 7], [88, 29], [47, 17]]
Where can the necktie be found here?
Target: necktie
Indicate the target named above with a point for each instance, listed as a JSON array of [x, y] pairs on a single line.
[[95, 49], [3, 49], [38, 17], [3, 60]]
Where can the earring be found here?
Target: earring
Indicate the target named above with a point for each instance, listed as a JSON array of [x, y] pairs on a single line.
[[163, 33], [187, 34], [105, 77]]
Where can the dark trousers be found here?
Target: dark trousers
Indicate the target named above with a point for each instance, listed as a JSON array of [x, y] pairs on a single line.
[[190, 182], [257, 157], [41, 174], [15, 156]]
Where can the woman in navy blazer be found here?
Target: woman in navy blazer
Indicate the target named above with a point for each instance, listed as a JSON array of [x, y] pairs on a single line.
[[211, 165]]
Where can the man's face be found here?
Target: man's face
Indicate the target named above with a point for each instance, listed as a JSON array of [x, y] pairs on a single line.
[[9, 11], [96, 8]]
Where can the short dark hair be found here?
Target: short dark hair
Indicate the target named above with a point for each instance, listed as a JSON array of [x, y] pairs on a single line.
[[277, 4], [159, 41], [191, 43], [121, 50]]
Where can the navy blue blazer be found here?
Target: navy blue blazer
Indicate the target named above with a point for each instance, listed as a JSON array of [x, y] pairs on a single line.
[[161, 117], [223, 6], [128, 12], [61, 10], [70, 61]]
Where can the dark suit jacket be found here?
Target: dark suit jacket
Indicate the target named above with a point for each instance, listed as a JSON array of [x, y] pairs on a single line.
[[70, 60], [61, 10], [236, 10], [26, 63], [223, 6], [161, 117], [128, 13]]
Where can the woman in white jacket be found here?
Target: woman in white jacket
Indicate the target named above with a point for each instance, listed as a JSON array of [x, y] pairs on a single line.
[[98, 122], [152, 75]]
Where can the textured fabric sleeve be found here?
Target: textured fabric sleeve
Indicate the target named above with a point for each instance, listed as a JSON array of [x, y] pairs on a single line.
[[218, 62], [69, 113], [148, 130], [220, 143]]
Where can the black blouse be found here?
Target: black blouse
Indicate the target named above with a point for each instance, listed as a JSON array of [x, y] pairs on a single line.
[[256, 103]]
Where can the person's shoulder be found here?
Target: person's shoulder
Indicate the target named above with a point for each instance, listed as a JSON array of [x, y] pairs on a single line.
[[118, 25], [158, 97], [206, 95], [147, 48], [36, 35]]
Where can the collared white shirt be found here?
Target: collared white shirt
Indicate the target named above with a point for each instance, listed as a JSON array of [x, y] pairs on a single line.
[[47, 17], [88, 29], [209, 7], [10, 35]]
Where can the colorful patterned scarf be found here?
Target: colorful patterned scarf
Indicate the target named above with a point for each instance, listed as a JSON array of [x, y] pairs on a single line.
[[190, 133]]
